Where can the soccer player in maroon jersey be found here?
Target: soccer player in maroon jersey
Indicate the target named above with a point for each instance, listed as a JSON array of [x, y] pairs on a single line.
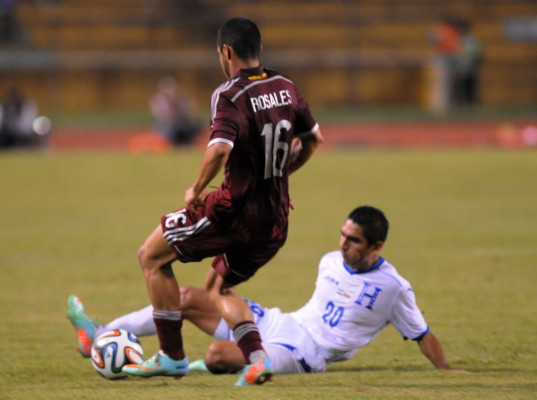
[[262, 130]]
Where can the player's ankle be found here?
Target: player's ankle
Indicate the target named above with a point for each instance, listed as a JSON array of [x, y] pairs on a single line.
[[257, 355]]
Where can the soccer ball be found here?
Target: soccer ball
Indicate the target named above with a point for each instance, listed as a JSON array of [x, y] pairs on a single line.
[[114, 349]]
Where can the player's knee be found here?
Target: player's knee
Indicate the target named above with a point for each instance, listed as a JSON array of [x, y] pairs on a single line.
[[216, 361], [143, 257], [149, 264]]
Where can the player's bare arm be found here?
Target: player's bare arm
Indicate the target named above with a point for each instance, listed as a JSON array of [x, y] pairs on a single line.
[[213, 161], [432, 349], [308, 144]]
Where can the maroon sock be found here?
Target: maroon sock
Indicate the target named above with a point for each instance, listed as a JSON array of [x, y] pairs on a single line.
[[247, 338], [169, 324]]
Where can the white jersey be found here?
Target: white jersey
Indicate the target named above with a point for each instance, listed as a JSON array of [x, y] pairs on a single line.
[[348, 309]]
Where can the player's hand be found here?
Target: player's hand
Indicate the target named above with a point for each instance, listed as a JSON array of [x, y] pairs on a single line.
[[194, 199]]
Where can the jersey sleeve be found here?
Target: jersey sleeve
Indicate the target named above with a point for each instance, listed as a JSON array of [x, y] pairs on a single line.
[[305, 124], [225, 122], [406, 317]]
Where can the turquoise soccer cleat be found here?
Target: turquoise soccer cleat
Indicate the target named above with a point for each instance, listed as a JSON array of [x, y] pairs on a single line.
[[158, 365], [84, 326], [256, 374]]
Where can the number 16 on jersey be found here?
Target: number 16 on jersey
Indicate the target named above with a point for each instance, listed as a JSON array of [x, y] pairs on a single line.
[[276, 151]]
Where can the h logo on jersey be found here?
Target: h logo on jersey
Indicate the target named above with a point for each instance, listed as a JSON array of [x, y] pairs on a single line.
[[368, 295]]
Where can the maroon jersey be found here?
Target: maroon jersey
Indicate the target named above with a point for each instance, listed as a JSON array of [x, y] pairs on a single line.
[[258, 112]]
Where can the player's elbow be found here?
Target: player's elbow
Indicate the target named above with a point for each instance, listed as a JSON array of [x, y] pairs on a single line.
[[319, 139], [220, 150], [311, 142]]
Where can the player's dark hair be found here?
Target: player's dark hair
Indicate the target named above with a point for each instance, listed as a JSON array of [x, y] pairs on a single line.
[[243, 36], [373, 223]]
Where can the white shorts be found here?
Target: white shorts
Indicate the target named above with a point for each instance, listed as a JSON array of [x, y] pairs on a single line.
[[288, 345]]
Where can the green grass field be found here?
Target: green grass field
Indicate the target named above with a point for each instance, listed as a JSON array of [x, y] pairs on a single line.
[[463, 231]]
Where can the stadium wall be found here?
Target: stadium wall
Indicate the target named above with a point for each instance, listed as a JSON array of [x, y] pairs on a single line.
[[101, 55]]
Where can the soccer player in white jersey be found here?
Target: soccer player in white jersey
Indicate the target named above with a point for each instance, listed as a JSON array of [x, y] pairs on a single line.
[[357, 294]]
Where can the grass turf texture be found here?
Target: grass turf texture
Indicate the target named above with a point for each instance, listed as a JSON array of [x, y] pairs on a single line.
[[462, 231]]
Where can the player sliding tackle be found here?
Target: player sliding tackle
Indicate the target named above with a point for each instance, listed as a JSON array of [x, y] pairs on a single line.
[[357, 293], [244, 222]]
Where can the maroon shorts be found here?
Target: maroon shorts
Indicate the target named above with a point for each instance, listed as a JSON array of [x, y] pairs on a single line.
[[194, 237]]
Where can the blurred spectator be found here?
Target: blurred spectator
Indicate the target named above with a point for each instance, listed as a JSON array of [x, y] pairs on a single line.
[[457, 64], [468, 61], [20, 125], [175, 113], [445, 37]]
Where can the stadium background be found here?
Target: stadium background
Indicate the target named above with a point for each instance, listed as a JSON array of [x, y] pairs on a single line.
[[94, 65]]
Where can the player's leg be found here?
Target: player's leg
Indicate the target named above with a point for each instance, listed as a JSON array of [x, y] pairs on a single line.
[[155, 258], [139, 322], [196, 307], [239, 318], [226, 300]]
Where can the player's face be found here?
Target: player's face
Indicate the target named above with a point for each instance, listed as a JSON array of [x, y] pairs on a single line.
[[356, 252], [223, 54]]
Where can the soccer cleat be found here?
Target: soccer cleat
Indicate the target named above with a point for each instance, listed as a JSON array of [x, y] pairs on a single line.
[[158, 365], [197, 365], [84, 326], [256, 374]]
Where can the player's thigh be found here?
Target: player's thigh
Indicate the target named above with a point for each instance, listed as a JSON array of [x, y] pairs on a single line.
[[192, 236]]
